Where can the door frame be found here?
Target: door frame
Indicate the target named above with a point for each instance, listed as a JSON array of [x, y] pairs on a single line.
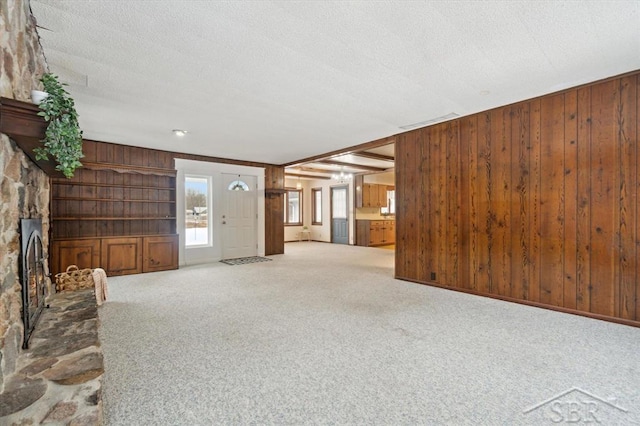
[[191, 256], [331, 188]]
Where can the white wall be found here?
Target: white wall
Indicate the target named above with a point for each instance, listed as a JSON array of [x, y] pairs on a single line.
[[319, 232]]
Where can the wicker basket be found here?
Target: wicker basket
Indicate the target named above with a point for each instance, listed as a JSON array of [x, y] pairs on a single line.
[[74, 279]]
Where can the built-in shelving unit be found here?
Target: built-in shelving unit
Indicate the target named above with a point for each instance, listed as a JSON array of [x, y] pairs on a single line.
[[118, 212], [126, 213]]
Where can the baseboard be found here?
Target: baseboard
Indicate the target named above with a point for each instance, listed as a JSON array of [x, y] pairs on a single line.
[[528, 303]]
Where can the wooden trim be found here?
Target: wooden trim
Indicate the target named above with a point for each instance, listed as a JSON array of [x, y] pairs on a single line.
[[83, 218], [65, 181], [373, 156], [121, 168], [116, 236], [525, 302], [21, 119], [354, 166], [114, 200], [307, 176]]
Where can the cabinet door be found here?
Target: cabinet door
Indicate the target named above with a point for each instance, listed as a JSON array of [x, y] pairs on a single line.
[[160, 253], [375, 232], [390, 232], [382, 195], [366, 195], [121, 256], [82, 253]]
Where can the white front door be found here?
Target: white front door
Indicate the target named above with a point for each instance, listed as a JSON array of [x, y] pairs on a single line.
[[239, 216]]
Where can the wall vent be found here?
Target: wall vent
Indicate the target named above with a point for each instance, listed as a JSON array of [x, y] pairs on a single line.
[[431, 121]]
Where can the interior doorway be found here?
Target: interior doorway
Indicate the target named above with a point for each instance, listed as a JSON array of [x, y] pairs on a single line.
[[239, 216], [339, 215]]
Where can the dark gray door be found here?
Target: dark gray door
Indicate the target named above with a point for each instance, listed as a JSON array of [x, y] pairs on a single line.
[[339, 215]]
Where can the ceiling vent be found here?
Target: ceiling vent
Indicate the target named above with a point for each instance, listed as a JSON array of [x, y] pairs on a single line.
[[432, 121]]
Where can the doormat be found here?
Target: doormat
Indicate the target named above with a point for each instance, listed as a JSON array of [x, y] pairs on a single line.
[[245, 260]]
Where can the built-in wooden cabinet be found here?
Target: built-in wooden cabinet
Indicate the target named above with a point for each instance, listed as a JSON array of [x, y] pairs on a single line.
[[159, 253], [117, 255], [118, 212], [375, 232], [121, 256]]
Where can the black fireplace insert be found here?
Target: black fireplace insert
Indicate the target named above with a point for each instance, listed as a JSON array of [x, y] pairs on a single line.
[[33, 275]]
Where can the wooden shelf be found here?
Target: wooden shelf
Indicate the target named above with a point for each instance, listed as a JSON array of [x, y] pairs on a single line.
[[111, 185], [109, 236], [115, 218], [113, 200], [120, 168]]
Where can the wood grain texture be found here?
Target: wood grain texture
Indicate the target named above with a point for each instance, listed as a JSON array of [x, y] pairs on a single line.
[[537, 201]]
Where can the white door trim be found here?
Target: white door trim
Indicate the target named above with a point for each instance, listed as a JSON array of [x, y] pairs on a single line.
[[215, 170]]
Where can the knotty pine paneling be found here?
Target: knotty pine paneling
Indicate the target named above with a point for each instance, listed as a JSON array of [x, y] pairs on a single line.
[[537, 201], [114, 154]]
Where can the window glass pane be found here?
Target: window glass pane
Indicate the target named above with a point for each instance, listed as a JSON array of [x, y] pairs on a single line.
[[391, 203], [293, 209], [339, 203], [196, 190], [317, 206], [238, 185]]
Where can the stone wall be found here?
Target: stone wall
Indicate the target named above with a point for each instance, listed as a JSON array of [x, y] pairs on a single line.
[[24, 188]]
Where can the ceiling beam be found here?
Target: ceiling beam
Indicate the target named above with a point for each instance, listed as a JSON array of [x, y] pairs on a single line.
[[298, 175], [374, 156], [354, 166], [309, 169], [350, 150]]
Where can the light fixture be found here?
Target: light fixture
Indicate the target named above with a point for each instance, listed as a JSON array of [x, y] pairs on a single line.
[[342, 177], [179, 132], [298, 184]]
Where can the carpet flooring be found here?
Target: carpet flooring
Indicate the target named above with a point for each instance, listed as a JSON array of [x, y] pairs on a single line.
[[325, 335]]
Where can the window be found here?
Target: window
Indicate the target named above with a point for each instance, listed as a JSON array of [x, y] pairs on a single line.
[[238, 185], [391, 204], [339, 203], [293, 207], [316, 206], [197, 204]]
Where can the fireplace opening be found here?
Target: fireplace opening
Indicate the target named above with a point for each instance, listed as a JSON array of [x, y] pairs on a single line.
[[33, 275]]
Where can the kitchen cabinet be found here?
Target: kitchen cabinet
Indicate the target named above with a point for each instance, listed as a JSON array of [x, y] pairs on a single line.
[[373, 195], [375, 232]]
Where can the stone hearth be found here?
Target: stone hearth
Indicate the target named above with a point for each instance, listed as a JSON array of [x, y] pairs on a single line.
[[59, 378]]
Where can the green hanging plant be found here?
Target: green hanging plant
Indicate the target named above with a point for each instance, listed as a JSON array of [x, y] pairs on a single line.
[[63, 137]]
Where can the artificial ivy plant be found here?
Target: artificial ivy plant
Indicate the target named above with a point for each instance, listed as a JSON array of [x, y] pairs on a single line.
[[63, 137]]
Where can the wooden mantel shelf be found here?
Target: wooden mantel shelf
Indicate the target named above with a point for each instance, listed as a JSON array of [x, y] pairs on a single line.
[[21, 122]]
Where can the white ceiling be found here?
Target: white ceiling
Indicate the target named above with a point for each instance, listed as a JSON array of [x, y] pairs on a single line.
[[278, 81]]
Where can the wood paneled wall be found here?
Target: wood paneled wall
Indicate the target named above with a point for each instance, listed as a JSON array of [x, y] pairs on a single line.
[[104, 152], [536, 202]]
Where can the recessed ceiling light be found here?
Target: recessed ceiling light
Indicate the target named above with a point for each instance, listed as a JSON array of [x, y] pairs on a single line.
[[179, 132]]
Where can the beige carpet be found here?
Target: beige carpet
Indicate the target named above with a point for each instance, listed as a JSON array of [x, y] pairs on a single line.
[[325, 335]]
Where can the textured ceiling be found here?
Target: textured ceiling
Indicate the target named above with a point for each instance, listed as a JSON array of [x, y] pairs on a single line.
[[278, 81]]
